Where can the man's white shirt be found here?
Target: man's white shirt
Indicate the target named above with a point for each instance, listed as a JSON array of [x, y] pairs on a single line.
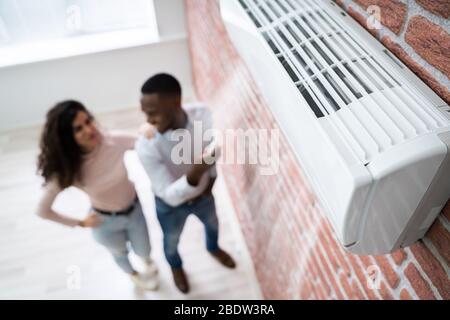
[[169, 178]]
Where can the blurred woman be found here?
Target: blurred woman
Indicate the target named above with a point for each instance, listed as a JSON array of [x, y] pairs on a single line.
[[74, 152]]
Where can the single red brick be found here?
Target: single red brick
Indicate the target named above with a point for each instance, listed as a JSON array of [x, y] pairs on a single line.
[[430, 41], [399, 256], [433, 268], [393, 12], [404, 295], [435, 85], [311, 269], [419, 284], [385, 292], [366, 261], [438, 7]]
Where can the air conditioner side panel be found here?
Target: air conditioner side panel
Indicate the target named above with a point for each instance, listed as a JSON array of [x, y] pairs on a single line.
[[402, 177], [432, 202], [340, 182]]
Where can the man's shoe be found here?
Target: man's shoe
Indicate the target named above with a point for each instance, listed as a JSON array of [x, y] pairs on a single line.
[[224, 258], [179, 277]]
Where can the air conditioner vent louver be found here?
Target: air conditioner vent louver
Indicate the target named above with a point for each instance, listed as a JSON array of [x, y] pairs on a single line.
[[334, 72]]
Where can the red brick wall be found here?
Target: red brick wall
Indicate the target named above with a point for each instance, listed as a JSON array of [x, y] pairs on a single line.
[[294, 249]]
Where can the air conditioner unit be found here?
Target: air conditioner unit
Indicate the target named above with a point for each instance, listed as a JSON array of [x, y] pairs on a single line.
[[370, 136]]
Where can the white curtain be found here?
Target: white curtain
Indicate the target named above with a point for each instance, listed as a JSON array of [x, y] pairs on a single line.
[[24, 21]]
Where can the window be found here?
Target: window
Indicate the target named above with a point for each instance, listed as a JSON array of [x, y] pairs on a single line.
[[30, 25]]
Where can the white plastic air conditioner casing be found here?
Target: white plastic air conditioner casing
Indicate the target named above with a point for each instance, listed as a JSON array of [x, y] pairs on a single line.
[[370, 136]]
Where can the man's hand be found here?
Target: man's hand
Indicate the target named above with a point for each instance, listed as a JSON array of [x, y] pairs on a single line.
[[208, 190], [200, 167], [196, 172], [147, 130], [91, 221]]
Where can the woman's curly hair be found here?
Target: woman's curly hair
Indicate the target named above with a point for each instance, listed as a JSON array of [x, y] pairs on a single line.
[[61, 157]]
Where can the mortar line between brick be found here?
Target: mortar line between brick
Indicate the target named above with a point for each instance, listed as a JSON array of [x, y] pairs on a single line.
[[445, 222], [410, 259], [396, 291]]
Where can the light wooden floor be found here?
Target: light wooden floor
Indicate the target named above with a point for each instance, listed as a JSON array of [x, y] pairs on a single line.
[[39, 258]]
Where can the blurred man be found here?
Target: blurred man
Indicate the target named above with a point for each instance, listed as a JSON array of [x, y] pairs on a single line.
[[180, 187]]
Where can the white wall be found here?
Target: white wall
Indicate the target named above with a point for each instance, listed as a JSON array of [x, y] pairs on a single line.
[[171, 17], [102, 81]]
